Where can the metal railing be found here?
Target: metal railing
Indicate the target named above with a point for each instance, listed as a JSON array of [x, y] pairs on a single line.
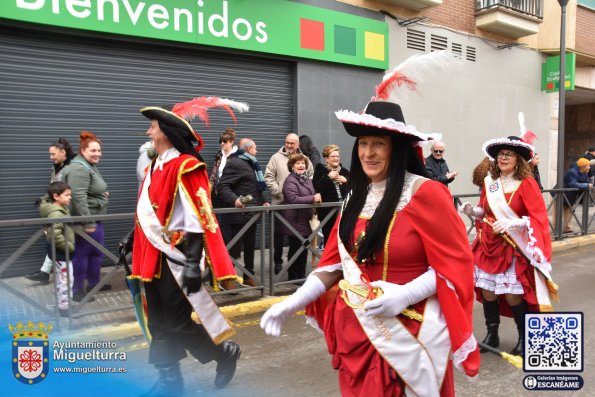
[[533, 8], [582, 211]]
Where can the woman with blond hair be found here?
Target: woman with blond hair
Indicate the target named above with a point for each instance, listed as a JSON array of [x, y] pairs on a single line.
[[331, 181]]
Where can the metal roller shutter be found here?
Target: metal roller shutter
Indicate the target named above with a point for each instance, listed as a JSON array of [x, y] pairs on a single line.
[[54, 84]]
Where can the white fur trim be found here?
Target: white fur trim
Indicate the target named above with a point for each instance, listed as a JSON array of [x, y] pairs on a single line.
[[347, 116], [505, 141]]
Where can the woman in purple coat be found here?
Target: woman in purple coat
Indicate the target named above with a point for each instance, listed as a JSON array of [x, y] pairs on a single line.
[[298, 189]]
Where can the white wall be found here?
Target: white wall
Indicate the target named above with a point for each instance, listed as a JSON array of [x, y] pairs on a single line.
[[477, 101]]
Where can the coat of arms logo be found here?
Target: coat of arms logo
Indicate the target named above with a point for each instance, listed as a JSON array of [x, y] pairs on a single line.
[[30, 351]]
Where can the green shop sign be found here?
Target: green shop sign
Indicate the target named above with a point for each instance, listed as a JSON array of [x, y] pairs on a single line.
[[550, 73], [270, 26]]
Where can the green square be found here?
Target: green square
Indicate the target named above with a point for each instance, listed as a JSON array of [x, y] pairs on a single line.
[[344, 40]]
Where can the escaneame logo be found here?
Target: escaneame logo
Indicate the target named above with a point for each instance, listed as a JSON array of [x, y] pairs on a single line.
[[30, 351]]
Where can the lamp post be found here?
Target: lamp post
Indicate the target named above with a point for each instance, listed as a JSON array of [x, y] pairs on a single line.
[[561, 111]]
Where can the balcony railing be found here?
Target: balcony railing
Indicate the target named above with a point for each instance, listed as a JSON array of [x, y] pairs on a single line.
[[533, 8]]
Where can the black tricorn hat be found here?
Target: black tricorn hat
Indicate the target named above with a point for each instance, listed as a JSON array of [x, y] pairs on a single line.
[[514, 143], [170, 118], [381, 118]]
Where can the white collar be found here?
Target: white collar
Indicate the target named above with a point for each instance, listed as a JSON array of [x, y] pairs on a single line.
[[166, 156]]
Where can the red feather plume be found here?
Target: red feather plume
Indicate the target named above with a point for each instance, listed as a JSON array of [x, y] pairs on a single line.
[[397, 79], [198, 107], [529, 137]]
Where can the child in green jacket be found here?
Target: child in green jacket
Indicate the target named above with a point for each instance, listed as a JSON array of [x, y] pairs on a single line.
[[59, 194]]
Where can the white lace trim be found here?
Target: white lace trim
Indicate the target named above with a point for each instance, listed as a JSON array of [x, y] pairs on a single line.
[[509, 183], [311, 321], [348, 116], [538, 259], [376, 193], [449, 284], [459, 356], [328, 269], [500, 283], [373, 198]]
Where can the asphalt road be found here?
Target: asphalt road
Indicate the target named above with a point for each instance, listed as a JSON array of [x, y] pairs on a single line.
[[297, 363]]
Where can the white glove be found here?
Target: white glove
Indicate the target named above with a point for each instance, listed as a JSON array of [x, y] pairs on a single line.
[[397, 298], [468, 209], [505, 224], [274, 318]]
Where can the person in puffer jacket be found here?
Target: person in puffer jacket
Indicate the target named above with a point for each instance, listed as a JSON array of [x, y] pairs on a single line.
[[60, 236]]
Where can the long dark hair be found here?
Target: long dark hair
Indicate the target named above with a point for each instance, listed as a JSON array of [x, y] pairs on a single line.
[[403, 158], [179, 139]]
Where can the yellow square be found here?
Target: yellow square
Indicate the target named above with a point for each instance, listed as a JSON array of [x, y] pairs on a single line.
[[374, 46], [567, 83]]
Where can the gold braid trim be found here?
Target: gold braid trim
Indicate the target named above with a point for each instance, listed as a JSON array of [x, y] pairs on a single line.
[[181, 171], [386, 243]]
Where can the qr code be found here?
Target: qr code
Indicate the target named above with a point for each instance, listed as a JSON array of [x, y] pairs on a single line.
[[554, 342]]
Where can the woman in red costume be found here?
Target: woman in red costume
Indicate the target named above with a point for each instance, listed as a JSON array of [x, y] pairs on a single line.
[[393, 291], [512, 251]]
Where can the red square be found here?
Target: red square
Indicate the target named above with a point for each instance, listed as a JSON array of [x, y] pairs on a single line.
[[311, 34]]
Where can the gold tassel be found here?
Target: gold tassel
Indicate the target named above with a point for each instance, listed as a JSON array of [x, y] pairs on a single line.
[[553, 290]]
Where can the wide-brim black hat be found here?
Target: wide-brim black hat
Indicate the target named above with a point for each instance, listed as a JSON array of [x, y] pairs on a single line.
[[170, 118], [381, 118], [492, 147]]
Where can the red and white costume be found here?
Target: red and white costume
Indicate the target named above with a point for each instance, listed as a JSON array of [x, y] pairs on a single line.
[[383, 356], [500, 267], [175, 198]]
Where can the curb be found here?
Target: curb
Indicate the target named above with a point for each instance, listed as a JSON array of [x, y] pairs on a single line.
[[234, 312], [132, 329]]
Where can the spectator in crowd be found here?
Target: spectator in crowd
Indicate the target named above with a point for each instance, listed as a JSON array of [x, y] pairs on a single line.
[[307, 147], [89, 197], [576, 177], [330, 180], [242, 185], [534, 163], [59, 194], [227, 141], [146, 154], [590, 155], [388, 237], [298, 189], [60, 153], [175, 235], [275, 174], [436, 165], [514, 227]]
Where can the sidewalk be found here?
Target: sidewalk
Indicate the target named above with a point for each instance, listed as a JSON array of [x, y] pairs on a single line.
[[121, 324]]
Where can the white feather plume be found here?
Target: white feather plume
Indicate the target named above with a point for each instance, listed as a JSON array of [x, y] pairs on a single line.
[[522, 124], [413, 71]]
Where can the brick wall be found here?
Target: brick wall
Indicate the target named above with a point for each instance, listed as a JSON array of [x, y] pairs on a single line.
[[585, 30]]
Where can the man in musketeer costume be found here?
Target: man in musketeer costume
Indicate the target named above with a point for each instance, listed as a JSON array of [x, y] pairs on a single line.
[[175, 236]]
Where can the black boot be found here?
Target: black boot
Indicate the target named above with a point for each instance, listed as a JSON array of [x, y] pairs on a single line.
[[41, 276], [170, 382], [226, 365], [518, 312], [492, 316]]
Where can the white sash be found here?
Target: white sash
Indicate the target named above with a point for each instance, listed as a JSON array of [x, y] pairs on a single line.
[[205, 308], [520, 236], [420, 362]]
